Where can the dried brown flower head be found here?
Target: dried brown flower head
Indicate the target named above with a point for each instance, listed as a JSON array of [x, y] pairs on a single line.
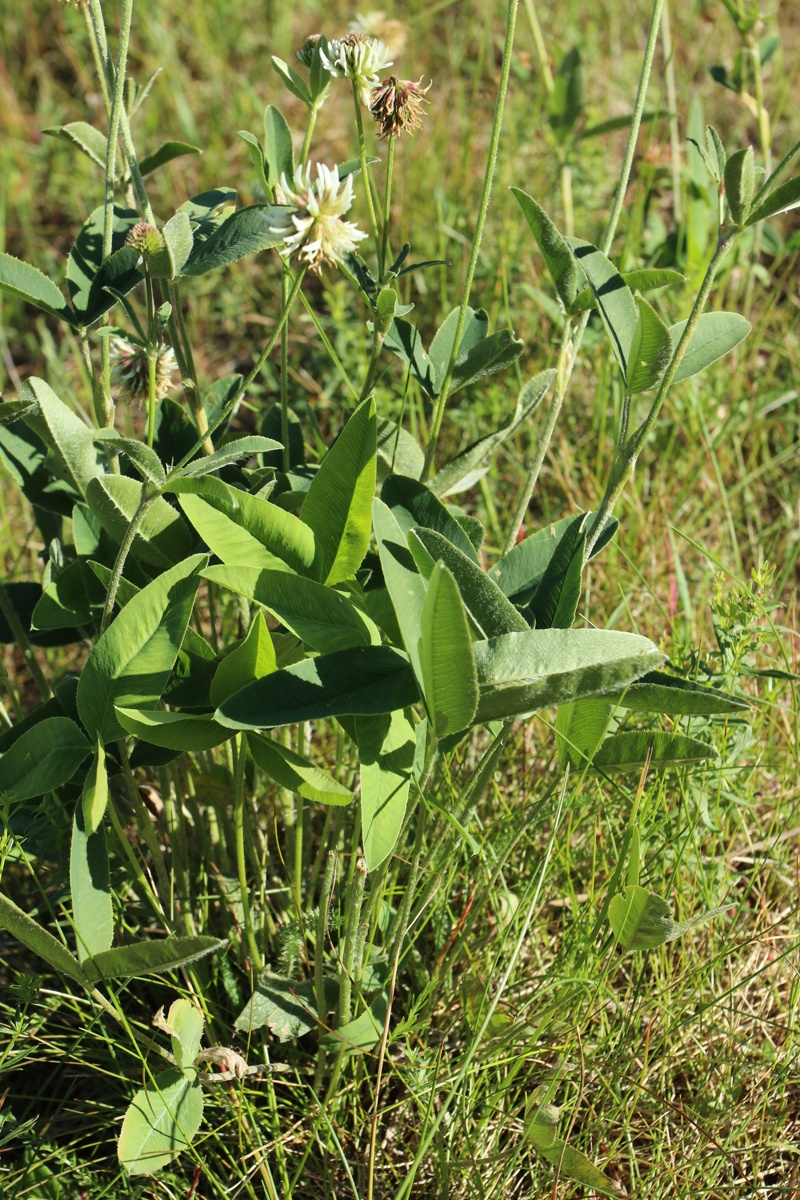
[[396, 104]]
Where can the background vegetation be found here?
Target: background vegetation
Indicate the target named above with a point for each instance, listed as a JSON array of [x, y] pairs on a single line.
[[679, 1069]]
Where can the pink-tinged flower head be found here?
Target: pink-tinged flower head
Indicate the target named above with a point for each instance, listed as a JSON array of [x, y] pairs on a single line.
[[315, 230], [358, 58]]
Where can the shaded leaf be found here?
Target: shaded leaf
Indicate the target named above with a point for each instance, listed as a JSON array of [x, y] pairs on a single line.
[[296, 773], [716, 333], [246, 231], [161, 540], [650, 352], [641, 920], [614, 299], [172, 730], [90, 888], [165, 153], [39, 941], [557, 255], [46, 756], [448, 669], [629, 751], [658, 692], [286, 1006], [386, 746]]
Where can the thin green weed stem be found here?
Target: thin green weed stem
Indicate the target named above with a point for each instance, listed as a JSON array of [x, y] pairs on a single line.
[[362, 154], [239, 750]]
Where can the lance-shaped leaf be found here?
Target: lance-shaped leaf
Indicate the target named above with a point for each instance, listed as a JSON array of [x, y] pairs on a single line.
[[90, 888], [647, 279], [318, 615], [785, 197], [132, 661], [95, 793], [614, 299], [566, 101], [641, 920], [245, 530], [21, 279], [520, 572], [521, 672], [296, 773], [338, 504], [386, 747], [651, 350], [143, 457], [165, 153], [629, 751], [658, 692], [413, 504], [68, 600], [247, 231], [556, 253], [278, 152], [398, 452], [404, 340], [178, 240], [231, 452], [404, 583], [740, 184], [715, 334], [39, 941], [580, 729], [46, 756], [150, 958], [251, 659], [449, 678], [555, 601], [362, 681], [88, 274], [84, 137], [64, 433], [172, 730], [468, 467], [161, 1121], [492, 613], [161, 540]]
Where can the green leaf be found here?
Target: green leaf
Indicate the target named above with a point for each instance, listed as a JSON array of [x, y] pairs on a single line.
[[575, 1165], [288, 1007], [398, 450], [449, 680], [278, 153], [207, 206], [67, 600], [184, 1023], [647, 280], [657, 692], [231, 452], [650, 352], [172, 730], [64, 433], [404, 340], [781, 200], [95, 794], [629, 751], [86, 138], [149, 958], [293, 81], [143, 457], [165, 153], [337, 506], [492, 613], [362, 681], [404, 583], [557, 255], [386, 746], [92, 910], [580, 729], [361, 1034], [161, 540], [715, 334], [45, 757], [161, 1121], [88, 274], [178, 240], [521, 672], [318, 615], [478, 354], [256, 157], [555, 600], [245, 530], [39, 941], [740, 184], [296, 773], [566, 100], [21, 279], [413, 504], [520, 572], [132, 661], [251, 659], [641, 920], [468, 467], [614, 299], [246, 231]]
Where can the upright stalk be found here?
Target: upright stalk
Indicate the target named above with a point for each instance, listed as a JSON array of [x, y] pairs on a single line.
[[488, 180], [362, 154], [240, 752], [571, 345], [122, 554]]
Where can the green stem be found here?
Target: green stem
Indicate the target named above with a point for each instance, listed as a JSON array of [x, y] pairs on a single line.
[[387, 202], [672, 104], [122, 555], [625, 459], [284, 377], [310, 123], [541, 51], [571, 344], [256, 961], [362, 154], [245, 384], [321, 932], [488, 179], [374, 358], [114, 123], [348, 965], [566, 199]]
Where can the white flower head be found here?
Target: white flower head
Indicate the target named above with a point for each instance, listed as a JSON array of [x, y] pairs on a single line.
[[130, 370], [358, 58], [315, 230]]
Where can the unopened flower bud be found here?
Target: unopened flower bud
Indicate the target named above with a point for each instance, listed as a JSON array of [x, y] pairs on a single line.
[[306, 51], [145, 239]]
